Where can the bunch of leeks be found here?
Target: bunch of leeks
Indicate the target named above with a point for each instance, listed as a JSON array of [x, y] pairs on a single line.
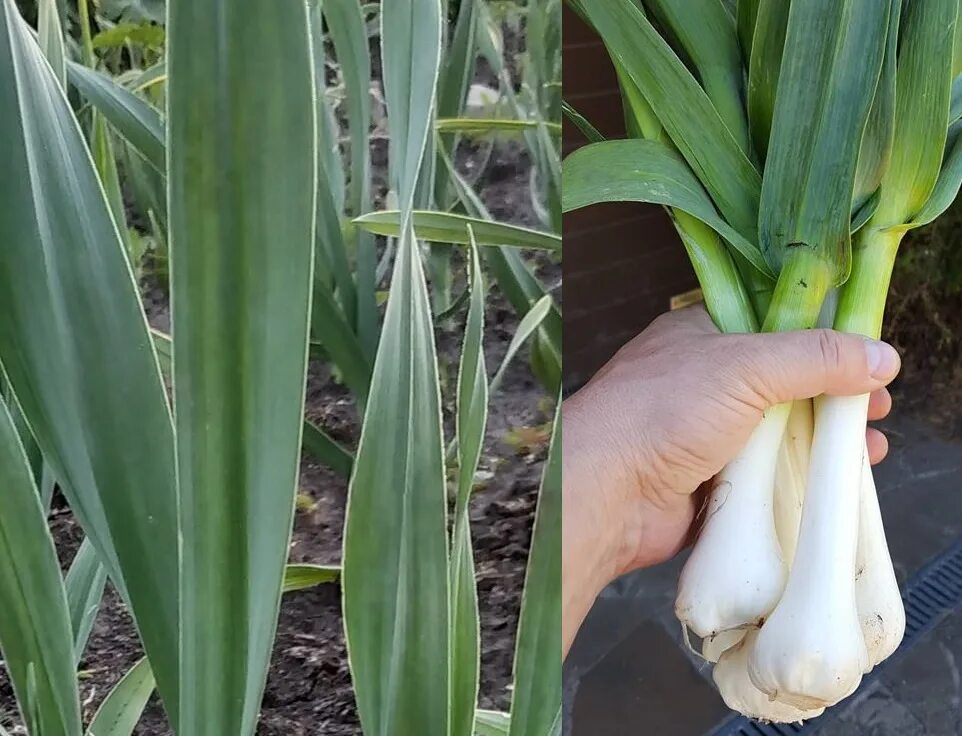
[[794, 144]]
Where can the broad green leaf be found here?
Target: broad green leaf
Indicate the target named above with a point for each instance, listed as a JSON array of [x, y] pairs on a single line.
[[395, 542], [947, 186], [588, 130], [645, 171], [133, 118], [472, 414], [124, 34], [876, 148], [35, 627], [346, 24], [313, 441], [303, 576], [395, 563], [50, 35], [768, 41], [529, 325], [241, 191], [684, 109], [924, 84], [490, 125], [411, 53], [492, 723], [706, 32], [103, 424], [121, 710], [445, 227], [85, 583], [326, 450], [746, 14], [830, 69], [537, 664]]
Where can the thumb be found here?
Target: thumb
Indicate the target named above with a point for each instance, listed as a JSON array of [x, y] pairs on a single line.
[[784, 366]]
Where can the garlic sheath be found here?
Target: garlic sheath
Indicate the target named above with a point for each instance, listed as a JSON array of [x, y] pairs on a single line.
[[810, 652], [713, 647], [738, 692], [880, 608], [735, 573], [791, 473]]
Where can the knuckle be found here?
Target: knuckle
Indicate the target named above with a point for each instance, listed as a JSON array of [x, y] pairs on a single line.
[[829, 346]]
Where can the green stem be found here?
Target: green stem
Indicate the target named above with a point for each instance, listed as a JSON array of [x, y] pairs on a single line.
[[801, 288], [861, 303], [87, 40], [725, 295]]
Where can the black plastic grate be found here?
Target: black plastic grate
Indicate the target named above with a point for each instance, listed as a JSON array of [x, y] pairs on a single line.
[[930, 595]]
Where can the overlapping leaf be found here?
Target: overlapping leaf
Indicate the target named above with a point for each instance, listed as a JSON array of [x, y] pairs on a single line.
[[241, 190]]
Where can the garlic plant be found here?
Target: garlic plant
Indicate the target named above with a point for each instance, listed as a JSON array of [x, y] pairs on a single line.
[[853, 139]]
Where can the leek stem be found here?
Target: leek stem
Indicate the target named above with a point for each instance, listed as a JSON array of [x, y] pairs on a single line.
[[804, 281], [725, 295], [862, 299]]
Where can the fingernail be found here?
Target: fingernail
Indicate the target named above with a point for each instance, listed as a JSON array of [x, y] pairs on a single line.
[[883, 360]]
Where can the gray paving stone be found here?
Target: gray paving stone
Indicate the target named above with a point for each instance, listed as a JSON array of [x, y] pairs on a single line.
[[875, 712]]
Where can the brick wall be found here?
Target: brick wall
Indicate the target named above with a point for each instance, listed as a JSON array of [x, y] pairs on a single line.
[[622, 262]]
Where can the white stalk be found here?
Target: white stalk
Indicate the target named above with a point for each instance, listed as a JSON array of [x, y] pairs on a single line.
[[738, 692], [791, 473], [810, 652], [880, 608], [735, 573]]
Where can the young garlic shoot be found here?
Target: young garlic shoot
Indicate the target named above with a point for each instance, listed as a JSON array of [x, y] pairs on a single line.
[[735, 573], [877, 597], [740, 694], [810, 652]]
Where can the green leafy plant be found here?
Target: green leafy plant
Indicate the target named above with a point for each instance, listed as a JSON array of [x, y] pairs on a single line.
[[233, 156]]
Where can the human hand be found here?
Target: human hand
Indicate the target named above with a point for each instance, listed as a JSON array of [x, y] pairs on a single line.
[[666, 414]]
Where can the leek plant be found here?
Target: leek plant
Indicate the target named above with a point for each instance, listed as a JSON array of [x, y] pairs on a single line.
[[229, 142], [793, 144]]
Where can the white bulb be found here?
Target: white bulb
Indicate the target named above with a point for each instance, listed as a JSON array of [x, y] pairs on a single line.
[[810, 652], [880, 608], [735, 573], [738, 692]]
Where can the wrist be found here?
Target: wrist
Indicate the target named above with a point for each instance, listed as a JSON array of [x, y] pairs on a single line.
[[593, 485]]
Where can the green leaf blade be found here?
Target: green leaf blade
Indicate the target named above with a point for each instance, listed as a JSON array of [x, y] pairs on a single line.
[[445, 227], [242, 244], [103, 425], [829, 73], [35, 627], [645, 171], [536, 703], [924, 84], [472, 412], [135, 120]]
